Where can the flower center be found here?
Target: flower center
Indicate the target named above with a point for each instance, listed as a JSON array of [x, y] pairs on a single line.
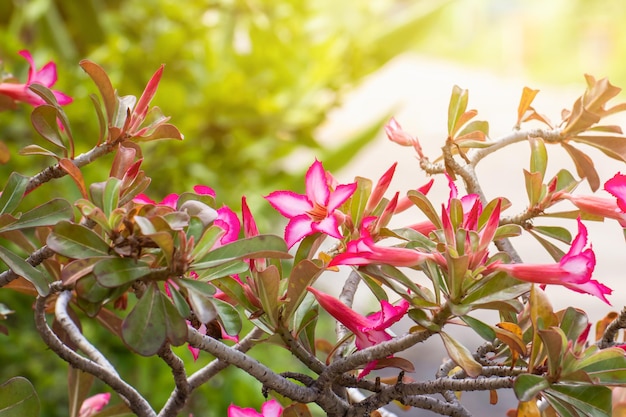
[[318, 213]]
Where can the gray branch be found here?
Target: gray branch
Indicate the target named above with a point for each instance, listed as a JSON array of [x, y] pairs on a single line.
[[75, 335], [131, 397]]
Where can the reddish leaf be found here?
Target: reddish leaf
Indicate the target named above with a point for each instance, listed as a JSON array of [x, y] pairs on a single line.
[[101, 79], [74, 172], [528, 95], [584, 166]]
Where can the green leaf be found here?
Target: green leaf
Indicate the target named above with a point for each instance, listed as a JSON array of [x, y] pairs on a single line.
[[201, 305], [26, 270], [37, 150], [555, 344], [461, 355], [18, 398], [359, 199], [589, 400], [229, 317], [534, 187], [13, 193], [76, 241], [179, 301], [224, 270], [268, 285], [482, 329], [111, 195], [261, 246], [553, 250], [507, 231], [47, 214], [538, 156], [152, 322], [497, 287], [44, 120], [422, 202], [565, 181], [207, 241], [302, 275], [573, 323], [527, 386], [606, 366], [555, 232], [456, 108], [114, 272]]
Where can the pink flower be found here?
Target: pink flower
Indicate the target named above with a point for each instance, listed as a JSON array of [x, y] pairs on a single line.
[[46, 76], [94, 404], [396, 134], [270, 408], [573, 270], [364, 251], [380, 188], [604, 207], [370, 330], [316, 211]]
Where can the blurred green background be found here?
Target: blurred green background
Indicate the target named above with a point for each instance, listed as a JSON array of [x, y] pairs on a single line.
[[249, 82]]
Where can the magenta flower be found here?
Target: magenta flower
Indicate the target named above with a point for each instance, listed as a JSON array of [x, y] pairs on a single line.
[[370, 330], [94, 404], [46, 76], [573, 270], [365, 251], [605, 207], [270, 408], [315, 211]]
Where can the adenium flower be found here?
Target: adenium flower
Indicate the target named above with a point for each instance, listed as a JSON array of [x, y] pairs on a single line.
[[365, 251], [396, 134], [94, 404], [270, 408], [315, 211], [601, 206], [205, 213], [46, 76], [370, 330], [573, 270]]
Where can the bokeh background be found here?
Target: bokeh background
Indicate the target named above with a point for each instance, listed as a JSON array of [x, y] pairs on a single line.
[[261, 87]]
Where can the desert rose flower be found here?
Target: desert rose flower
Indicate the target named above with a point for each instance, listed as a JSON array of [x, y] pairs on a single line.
[[573, 270], [46, 76], [365, 251], [94, 404], [602, 206], [270, 408], [315, 211], [369, 330]]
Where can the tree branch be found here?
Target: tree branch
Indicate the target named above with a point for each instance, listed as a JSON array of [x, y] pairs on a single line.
[[131, 397], [262, 373], [74, 333], [608, 338]]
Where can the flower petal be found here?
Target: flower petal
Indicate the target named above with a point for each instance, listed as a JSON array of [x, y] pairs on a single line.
[[271, 409], [329, 225], [297, 228], [316, 185], [46, 76], [340, 195], [388, 314], [31, 70], [617, 187], [288, 203]]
